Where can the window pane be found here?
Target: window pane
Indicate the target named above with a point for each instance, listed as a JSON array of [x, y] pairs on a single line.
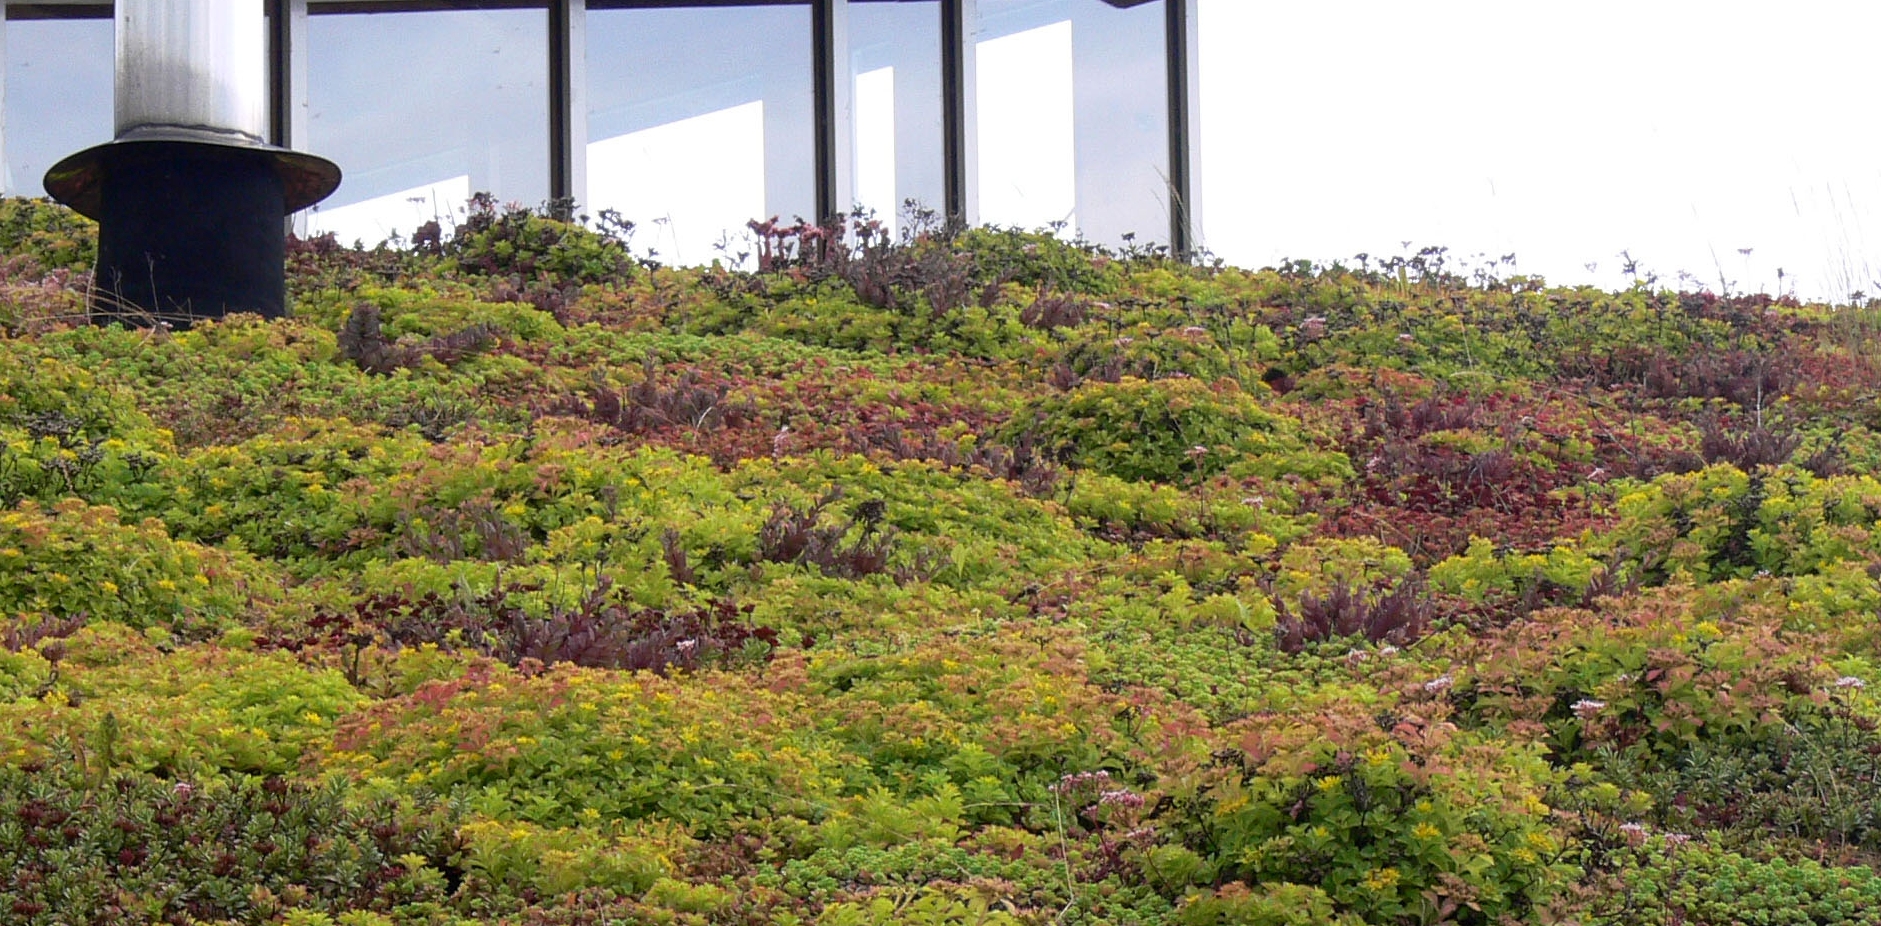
[[1496, 137], [422, 109], [899, 153], [1072, 107], [699, 120], [58, 96]]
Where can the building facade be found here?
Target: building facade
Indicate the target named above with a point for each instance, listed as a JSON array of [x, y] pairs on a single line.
[[690, 118]]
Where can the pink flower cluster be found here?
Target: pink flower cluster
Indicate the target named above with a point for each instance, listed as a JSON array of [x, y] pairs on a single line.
[[1073, 782]]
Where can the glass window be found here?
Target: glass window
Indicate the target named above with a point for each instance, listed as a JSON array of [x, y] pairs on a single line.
[[1494, 137], [1072, 109], [58, 94], [422, 109], [899, 149], [700, 119]]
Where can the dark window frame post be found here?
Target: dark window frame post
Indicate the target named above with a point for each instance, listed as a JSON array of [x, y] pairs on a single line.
[[834, 102], [287, 83], [959, 129], [1180, 38], [568, 102]]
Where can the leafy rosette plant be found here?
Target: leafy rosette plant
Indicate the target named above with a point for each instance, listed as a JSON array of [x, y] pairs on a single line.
[[569, 745], [63, 433], [1175, 431], [53, 235], [1397, 817], [118, 701], [79, 559], [1662, 671]]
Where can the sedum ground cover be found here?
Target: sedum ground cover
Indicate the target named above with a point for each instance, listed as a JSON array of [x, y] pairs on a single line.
[[975, 578]]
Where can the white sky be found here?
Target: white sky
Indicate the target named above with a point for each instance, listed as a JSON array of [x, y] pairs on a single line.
[[1562, 132]]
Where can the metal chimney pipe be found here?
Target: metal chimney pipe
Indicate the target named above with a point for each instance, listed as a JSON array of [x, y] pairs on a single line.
[[189, 198]]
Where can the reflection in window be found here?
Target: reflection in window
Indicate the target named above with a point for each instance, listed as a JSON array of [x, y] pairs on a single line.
[[423, 108], [1583, 172], [710, 173], [58, 94], [699, 120], [894, 51], [875, 142], [1072, 115], [397, 213], [1028, 139]]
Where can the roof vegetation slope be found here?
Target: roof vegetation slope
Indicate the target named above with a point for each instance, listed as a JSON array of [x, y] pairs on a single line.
[[971, 578]]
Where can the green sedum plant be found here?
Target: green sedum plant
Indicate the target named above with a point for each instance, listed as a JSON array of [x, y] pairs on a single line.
[[80, 559], [974, 576], [1175, 431], [1414, 821]]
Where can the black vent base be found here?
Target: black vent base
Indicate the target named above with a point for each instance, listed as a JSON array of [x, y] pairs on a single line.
[[188, 232]]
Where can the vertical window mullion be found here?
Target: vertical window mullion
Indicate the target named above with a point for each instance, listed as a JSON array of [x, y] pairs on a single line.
[[957, 123], [578, 101], [280, 87], [287, 83], [1178, 35], [287, 73], [829, 22], [566, 19]]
